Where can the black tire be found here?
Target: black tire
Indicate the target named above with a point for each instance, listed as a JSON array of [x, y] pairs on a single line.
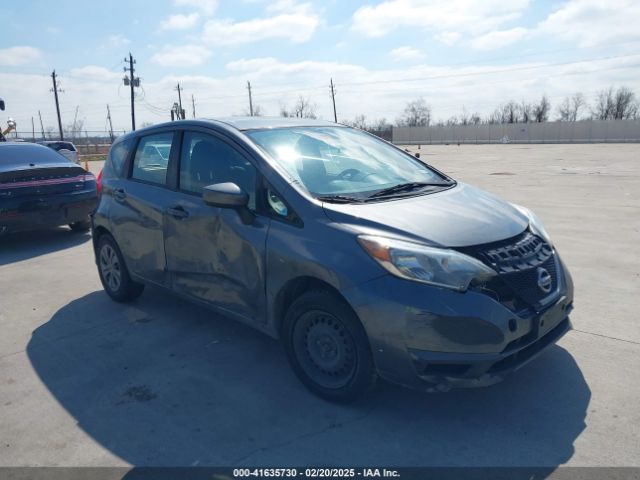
[[81, 226], [113, 272], [328, 347]]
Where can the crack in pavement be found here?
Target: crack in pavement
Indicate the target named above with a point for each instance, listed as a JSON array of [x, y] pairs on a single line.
[[607, 336]]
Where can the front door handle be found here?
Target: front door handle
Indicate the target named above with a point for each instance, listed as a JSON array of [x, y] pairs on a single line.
[[177, 212]]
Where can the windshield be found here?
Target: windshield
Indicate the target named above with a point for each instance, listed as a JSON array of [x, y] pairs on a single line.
[[330, 161]]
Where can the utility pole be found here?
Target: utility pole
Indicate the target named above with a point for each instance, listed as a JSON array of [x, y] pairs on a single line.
[[33, 129], [181, 111], [193, 105], [41, 125], [55, 94], [131, 81], [333, 99], [75, 122], [110, 124], [250, 99]]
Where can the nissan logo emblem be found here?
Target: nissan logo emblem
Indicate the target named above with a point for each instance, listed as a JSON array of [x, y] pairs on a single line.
[[544, 280]]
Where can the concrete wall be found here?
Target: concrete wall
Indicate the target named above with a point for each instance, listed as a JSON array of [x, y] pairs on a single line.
[[588, 131]]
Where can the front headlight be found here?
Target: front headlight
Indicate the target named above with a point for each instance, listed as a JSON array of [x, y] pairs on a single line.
[[420, 263], [534, 223]]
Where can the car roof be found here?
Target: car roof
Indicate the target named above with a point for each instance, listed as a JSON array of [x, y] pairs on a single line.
[[47, 142], [241, 123], [254, 123]]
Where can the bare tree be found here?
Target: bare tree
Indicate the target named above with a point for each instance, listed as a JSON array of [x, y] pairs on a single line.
[[468, 119], [359, 122], [625, 105], [510, 112], [380, 125], [526, 112], [603, 107], [541, 110], [416, 114], [617, 105], [303, 108], [569, 109]]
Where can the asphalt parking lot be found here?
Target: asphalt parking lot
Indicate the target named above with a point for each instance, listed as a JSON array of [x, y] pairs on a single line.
[[85, 381]]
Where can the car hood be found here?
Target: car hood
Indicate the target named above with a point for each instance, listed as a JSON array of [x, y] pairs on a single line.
[[457, 217]]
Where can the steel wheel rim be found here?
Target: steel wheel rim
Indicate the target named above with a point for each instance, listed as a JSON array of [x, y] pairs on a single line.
[[325, 349], [110, 267]]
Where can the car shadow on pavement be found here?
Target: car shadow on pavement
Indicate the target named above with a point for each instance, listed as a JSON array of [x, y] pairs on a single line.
[[161, 382], [15, 247]]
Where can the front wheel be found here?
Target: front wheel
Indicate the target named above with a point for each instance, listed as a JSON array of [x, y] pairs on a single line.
[[328, 347], [114, 275]]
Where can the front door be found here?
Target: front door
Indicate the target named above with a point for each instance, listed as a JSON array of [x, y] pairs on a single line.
[[211, 254]]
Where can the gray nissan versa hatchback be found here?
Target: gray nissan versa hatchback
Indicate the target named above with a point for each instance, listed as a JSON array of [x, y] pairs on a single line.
[[363, 260]]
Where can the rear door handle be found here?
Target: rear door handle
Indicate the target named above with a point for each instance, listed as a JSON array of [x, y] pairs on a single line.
[[177, 212], [119, 193]]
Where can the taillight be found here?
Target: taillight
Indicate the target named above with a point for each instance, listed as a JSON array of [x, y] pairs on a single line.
[[99, 182]]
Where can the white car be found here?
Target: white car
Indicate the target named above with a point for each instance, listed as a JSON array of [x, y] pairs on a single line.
[[66, 149]]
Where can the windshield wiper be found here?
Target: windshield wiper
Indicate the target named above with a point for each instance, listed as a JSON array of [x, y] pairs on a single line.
[[405, 187], [339, 199]]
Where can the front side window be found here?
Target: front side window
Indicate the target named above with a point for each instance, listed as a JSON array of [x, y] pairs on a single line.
[[206, 160], [341, 161], [152, 158]]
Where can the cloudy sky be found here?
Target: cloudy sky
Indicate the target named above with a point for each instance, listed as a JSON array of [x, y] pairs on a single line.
[[455, 53]]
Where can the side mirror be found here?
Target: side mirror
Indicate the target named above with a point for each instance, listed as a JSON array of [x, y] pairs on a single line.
[[1, 104], [228, 195]]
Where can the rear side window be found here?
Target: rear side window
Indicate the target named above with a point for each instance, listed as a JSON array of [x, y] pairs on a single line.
[[152, 158], [118, 155]]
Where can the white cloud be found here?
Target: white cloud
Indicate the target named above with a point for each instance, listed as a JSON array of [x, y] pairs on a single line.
[[15, 56], [117, 40], [94, 72], [206, 6], [468, 16], [448, 38], [594, 22], [181, 56], [498, 38], [180, 22], [297, 26], [406, 53]]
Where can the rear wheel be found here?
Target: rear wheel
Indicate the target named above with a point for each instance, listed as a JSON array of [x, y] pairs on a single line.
[[114, 275], [328, 347], [81, 226]]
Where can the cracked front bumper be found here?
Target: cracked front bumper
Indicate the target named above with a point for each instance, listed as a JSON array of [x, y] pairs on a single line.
[[433, 338]]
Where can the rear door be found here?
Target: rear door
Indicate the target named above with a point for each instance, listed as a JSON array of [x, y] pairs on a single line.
[[211, 254], [139, 202]]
